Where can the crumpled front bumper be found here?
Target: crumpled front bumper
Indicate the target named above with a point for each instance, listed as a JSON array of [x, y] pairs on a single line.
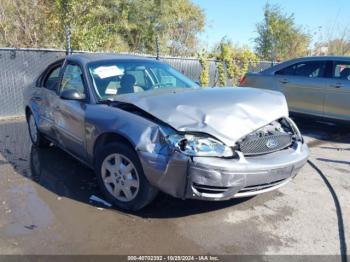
[[213, 178]]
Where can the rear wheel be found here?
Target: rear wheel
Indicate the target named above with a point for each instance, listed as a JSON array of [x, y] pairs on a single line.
[[36, 136], [122, 179]]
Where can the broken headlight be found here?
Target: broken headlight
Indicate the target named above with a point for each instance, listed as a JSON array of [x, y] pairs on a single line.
[[296, 130], [194, 145]]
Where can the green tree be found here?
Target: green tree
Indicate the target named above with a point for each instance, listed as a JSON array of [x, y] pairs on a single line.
[[115, 25], [176, 23], [94, 24], [279, 37], [221, 73], [226, 55], [244, 58], [23, 23], [204, 62], [185, 21], [237, 59]]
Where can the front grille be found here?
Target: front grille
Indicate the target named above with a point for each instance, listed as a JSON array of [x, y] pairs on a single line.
[[255, 188], [266, 144], [273, 137], [209, 189]]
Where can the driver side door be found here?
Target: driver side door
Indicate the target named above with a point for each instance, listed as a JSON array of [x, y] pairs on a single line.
[[70, 114]]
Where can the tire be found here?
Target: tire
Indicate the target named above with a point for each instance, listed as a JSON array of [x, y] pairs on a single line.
[[35, 135], [124, 185]]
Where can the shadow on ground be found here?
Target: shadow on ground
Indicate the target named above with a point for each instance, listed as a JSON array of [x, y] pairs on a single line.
[[323, 130], [66, 177]]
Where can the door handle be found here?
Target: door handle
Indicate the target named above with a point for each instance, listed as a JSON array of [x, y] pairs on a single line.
[[284, 81], [337, 85]]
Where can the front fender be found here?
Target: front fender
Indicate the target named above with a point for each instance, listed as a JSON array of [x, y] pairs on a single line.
[[143, 134]]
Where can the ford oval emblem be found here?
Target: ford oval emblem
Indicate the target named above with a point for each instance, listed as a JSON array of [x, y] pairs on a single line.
[[271, 143]]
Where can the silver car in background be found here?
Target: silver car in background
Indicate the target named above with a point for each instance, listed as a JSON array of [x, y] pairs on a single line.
[[317, 86], [143, 127]]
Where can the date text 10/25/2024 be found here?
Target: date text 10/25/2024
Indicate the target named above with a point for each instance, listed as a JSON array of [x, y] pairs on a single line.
[[173, 258]]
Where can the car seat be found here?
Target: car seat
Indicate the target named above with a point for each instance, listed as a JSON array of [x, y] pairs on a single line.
[[345, 74], [127, 84]]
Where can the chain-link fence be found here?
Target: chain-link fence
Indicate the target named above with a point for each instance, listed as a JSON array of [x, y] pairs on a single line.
[[19, 67]]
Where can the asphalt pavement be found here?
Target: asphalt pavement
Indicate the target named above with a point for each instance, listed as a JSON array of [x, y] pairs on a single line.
[[46, 207]]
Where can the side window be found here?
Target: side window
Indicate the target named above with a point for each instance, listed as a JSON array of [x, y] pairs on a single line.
[[341, 70], [287, 71], [72, 79], [52, 78], [311, 69]]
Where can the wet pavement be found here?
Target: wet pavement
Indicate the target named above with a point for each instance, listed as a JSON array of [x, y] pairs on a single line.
[[45, 207]]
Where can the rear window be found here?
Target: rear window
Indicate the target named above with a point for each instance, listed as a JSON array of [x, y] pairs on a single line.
[[52, 78]]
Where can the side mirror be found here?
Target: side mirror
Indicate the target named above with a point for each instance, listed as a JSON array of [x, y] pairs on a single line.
[[72, 94]]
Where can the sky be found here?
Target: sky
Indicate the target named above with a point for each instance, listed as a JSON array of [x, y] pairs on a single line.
[[236, 19]]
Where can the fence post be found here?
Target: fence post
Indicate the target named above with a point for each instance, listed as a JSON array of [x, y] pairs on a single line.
[[157, 47], [68, 43]]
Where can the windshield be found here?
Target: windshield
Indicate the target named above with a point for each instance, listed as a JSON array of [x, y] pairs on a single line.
[[114, 78]]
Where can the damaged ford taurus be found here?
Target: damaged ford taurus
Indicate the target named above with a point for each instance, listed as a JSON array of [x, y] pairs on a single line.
[[144, 127]]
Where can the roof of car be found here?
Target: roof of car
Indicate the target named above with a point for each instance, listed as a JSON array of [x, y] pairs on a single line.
[[322, 58], [304, 59], [94, 57]]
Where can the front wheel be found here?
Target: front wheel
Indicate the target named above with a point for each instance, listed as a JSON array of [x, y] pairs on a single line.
[[121, 177]]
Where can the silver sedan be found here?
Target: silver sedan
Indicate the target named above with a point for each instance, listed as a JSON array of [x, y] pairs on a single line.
[[317, 86], [143, 127]]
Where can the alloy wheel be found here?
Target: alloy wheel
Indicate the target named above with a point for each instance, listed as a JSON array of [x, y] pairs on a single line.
[[120, 177]]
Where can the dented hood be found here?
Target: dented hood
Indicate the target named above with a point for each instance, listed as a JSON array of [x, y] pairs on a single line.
[[225, 113]]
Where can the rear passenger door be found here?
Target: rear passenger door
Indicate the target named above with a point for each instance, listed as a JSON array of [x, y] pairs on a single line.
[[48, 95], [337, 97], [303, 84]]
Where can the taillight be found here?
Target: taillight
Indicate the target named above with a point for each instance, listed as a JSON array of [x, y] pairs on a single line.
[[243, 80]]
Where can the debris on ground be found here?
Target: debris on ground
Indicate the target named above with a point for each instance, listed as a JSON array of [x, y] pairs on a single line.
[[99, 200], [30, 227]]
